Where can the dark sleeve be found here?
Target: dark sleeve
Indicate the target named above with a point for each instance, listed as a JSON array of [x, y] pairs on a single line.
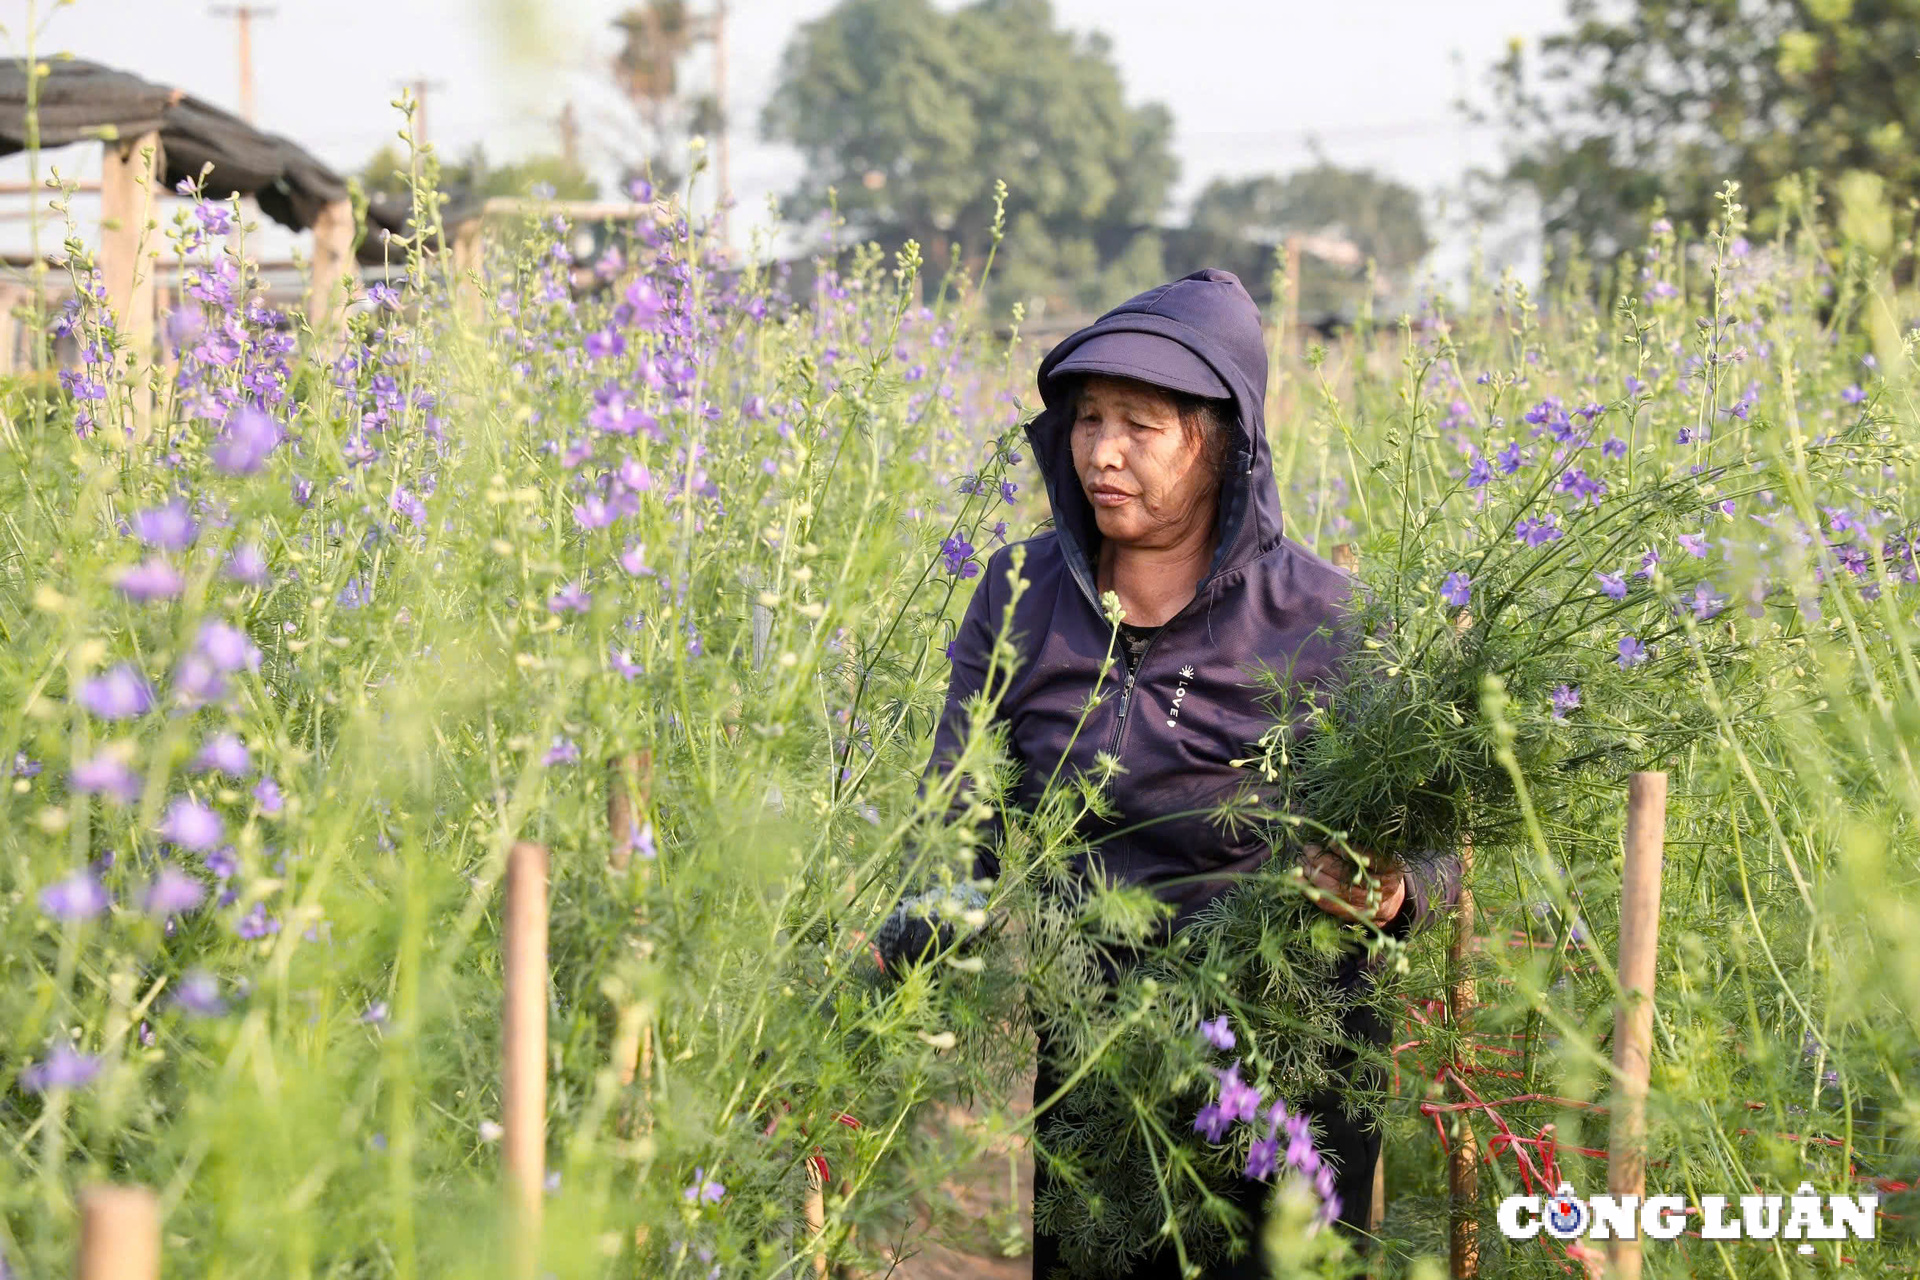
[[970, 653], [1433, 891]]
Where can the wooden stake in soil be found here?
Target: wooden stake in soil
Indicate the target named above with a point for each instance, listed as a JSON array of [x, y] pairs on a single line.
[[1633, 1022], [1463, 1161], [523, 1064], [119, 1234]]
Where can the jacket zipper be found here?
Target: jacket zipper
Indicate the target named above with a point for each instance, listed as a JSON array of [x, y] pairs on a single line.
[[1126, 690]]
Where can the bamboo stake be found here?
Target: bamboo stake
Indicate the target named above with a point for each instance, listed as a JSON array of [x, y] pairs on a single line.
[[816, 1214], [1633, 1021], [119, 1234], [1463, 1161], [523, 1071]]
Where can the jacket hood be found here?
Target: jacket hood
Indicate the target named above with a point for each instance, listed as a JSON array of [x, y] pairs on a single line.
[[1212, 315]]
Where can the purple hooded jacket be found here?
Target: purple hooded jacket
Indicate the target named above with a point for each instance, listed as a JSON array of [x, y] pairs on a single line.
[[1193, 705]]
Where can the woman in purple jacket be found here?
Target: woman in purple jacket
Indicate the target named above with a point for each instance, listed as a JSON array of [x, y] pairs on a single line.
[[1154, 451]]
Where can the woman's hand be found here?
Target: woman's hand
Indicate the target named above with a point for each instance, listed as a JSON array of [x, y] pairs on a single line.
[[1376, 900]]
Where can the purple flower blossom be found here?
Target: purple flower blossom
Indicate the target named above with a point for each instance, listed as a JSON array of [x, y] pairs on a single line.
[[198, 993], [1263, 1157], [956, 552], [166, 528], [244, 442], [1457, 589], [192, 825], [1614, 447], [172, 893], [225, 753], [1632, 653], [1853, 394], [1218, 1033], [572, 598], [634, 560], [25, 766], [563, 751], [221, 862], [356, 594], [1211, 1123], [78, 897], [406, 503], [266, 793], [1694, 544], [62, 1068], [1706, 601], [1511, 458], [227, 647], [703, 1188], [1564, 699], [257, 923], [623, 663], [108, 775], [247, 566], [1647, 563], [1539, 532], [151, 579], [1613, 585], [1479, 472], [1238, 1100], [120, 694]]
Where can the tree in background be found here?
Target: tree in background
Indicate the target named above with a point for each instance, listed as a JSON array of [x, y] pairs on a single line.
[[910, 114], [1340, 219], [1663, 100]]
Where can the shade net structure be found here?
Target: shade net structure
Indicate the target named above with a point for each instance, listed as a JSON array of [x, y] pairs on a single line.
[[80, 101]]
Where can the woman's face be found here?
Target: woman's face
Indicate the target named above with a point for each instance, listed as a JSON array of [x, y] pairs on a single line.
[[1149, 486]]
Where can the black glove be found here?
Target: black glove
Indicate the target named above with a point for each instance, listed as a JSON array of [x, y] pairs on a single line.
[[925, 923]]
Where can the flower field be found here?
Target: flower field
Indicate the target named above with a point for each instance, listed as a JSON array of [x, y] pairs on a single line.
[[291, 666]]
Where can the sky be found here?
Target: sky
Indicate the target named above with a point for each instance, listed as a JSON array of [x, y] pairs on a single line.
[[1251, 83]]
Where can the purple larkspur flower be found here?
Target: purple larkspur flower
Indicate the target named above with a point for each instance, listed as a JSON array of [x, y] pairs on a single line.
[[25, 766], [407, 503], [198, 681], [247, 566], [1613, 585], [227, 647], [1218, 1033], [1648, 562], [1263, 1158], [1632, 653], [1706, 601], [266, 793], [224, 753], [120, 693], [1539, 532], [1479, 472], [222, 862], [1511, 458], [623, 663], [172, 893], [645, 301], [152, 579], [62, 1068], [108, 775], [1563, 699], [634, 560], [1457, 589], [1238, 1099], [355, 595], [1694, 544], [192, 825], [257, 923], [79, 896], [956, 552], [563, 751], [571, 598], [703, 1188], [1614, 447], [198, 993], [165, 528], [1853, 394], [592, 512], [1211, 1123], [245, 440]]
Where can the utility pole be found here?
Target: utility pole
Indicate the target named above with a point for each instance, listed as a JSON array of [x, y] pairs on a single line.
[[720, 102], [569, 127], [421, 86], [243, 16]]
